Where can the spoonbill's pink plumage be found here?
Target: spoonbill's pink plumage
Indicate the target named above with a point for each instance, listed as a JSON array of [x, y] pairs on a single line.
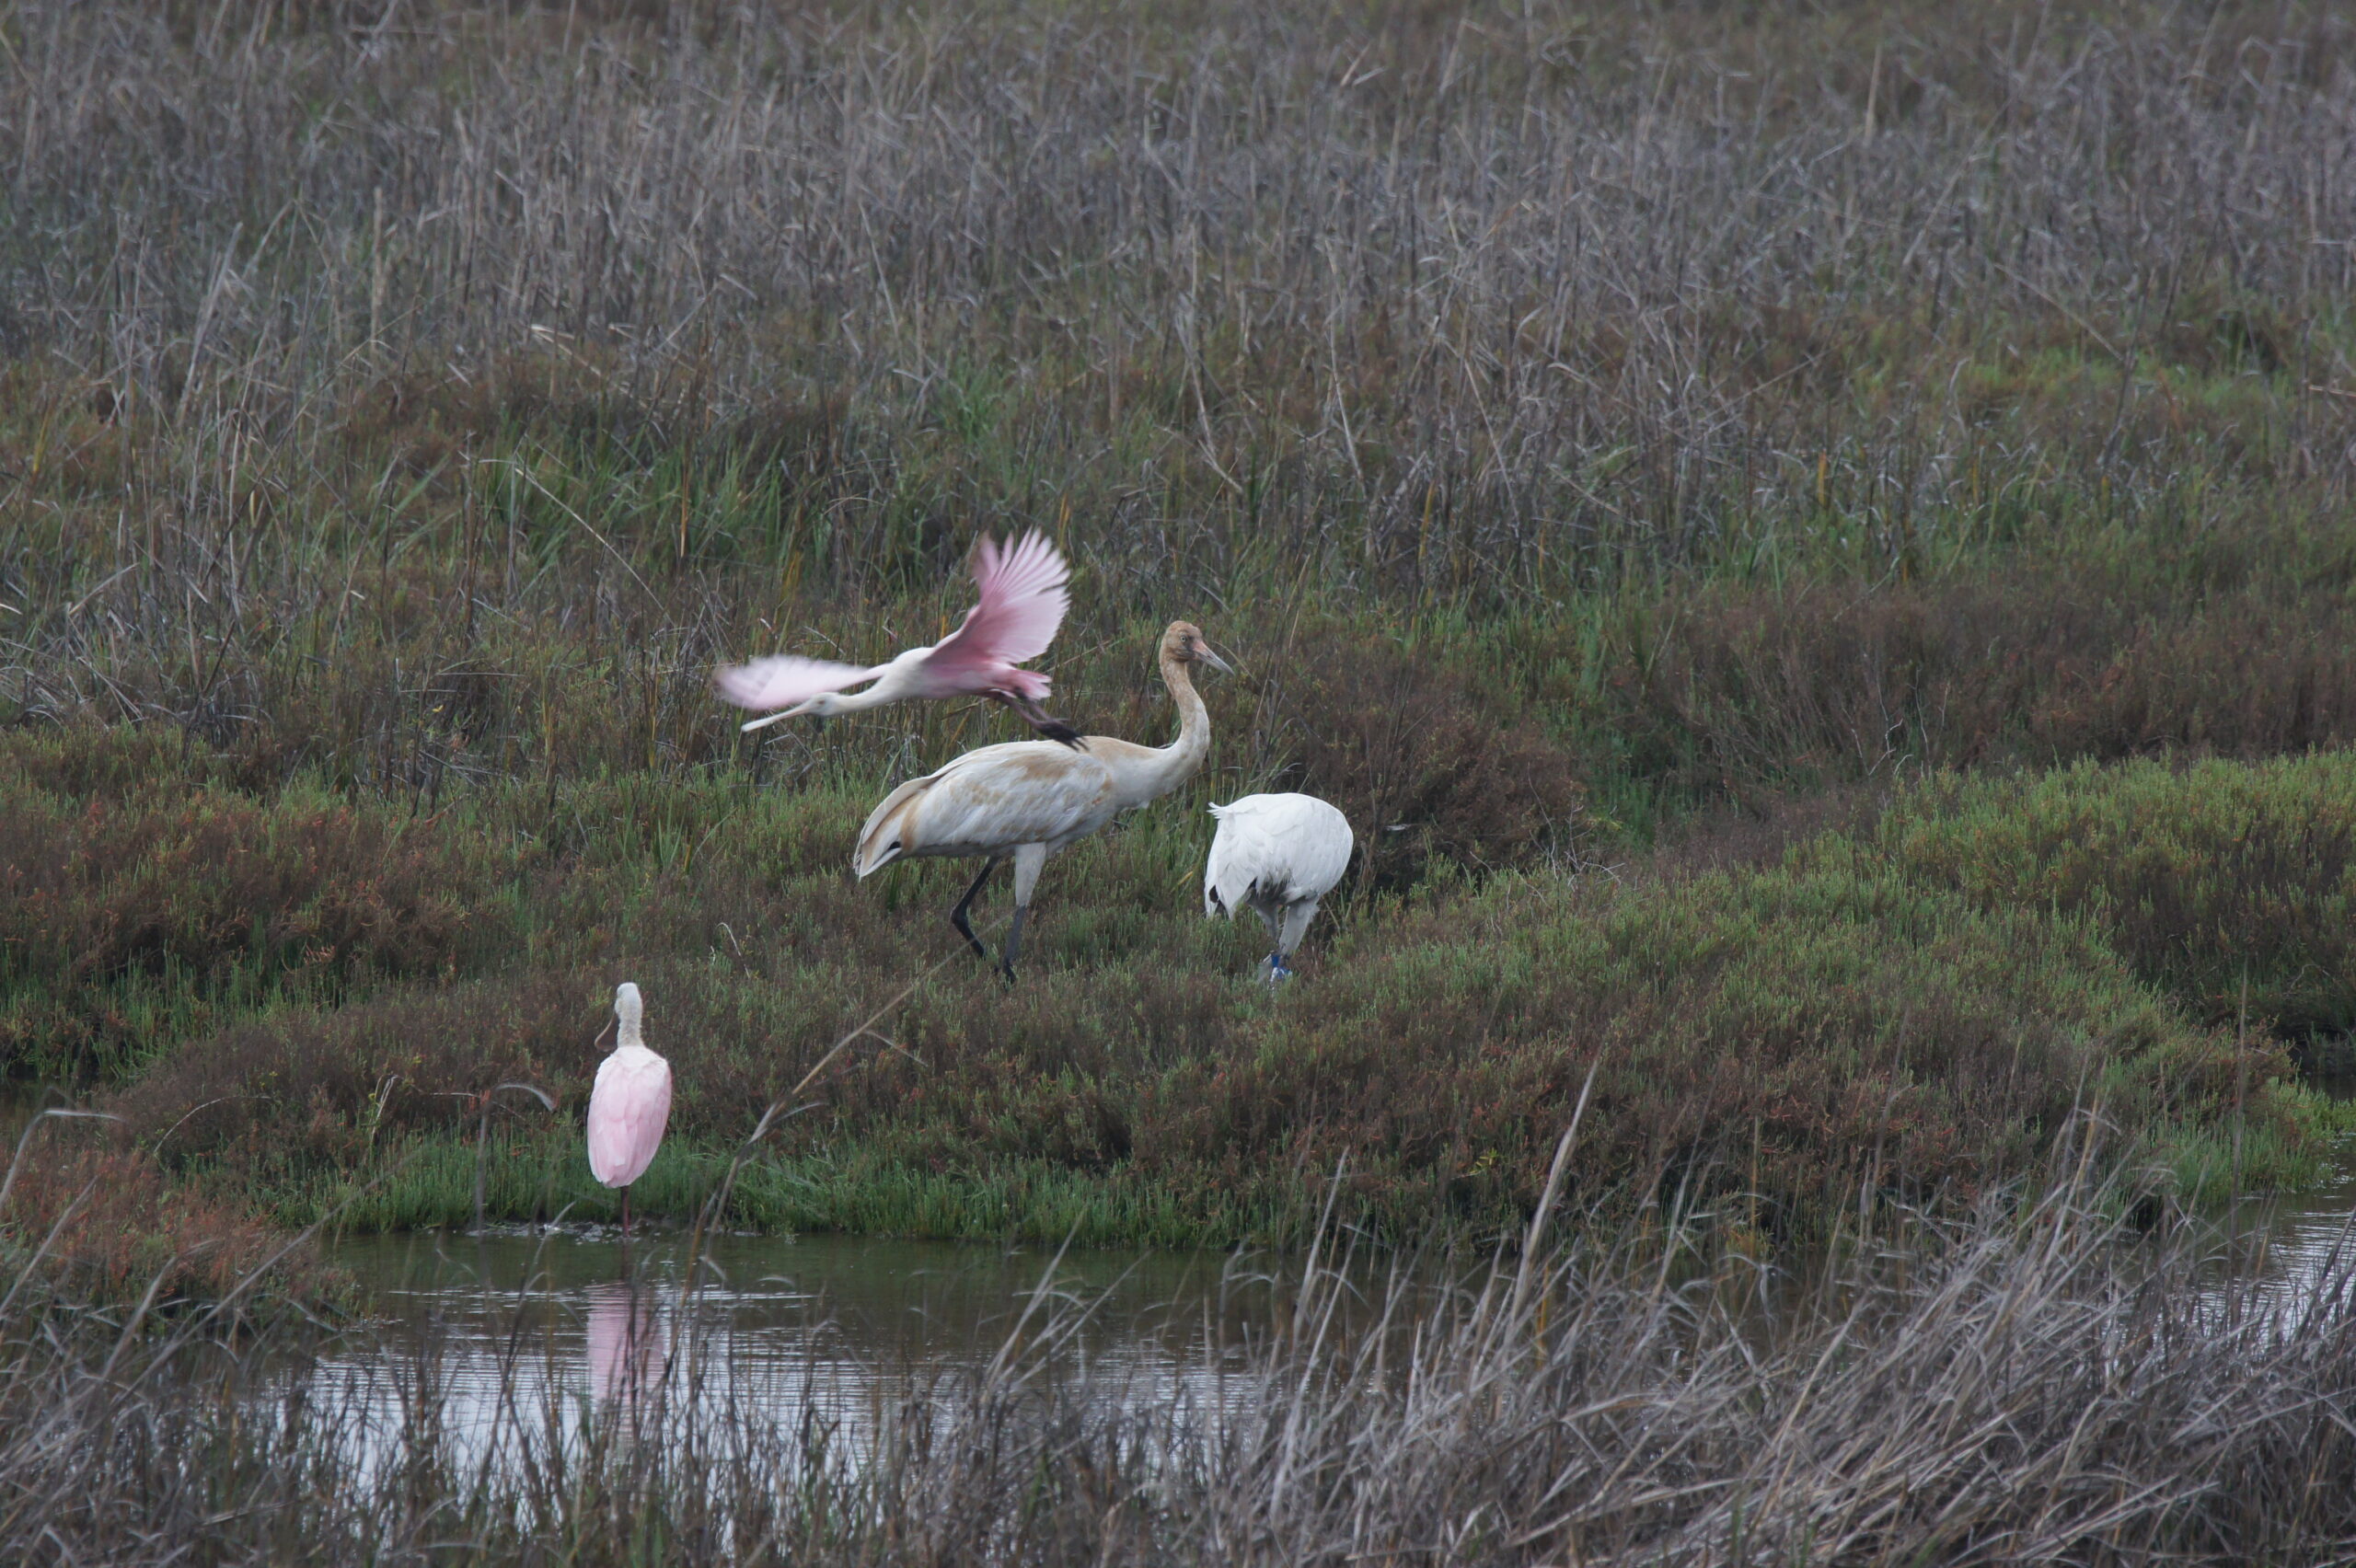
[[1024, 599], [629, 1104]]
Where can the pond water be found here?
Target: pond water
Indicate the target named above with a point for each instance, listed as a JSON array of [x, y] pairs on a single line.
[[559, 1324], [2284, 1244], [572, 1320], [842, 1309]]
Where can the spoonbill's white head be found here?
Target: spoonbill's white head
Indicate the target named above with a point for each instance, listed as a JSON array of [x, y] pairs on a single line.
[[630, 1008]]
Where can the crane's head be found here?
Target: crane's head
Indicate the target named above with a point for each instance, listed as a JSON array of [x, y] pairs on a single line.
[[1184, 644]]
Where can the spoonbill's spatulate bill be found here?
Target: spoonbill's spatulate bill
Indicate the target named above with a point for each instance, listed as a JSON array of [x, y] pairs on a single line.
[[1276, 856], [1026, 800], [630, 1103], [1022, 602]]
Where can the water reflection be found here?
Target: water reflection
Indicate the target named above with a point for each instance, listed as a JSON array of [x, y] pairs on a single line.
[[880, 1300], [816, 1333], [626, 1356], [2274, 1252]]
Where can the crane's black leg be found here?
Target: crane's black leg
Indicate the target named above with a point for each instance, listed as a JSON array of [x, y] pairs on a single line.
[[1013, 943], [957, 915]]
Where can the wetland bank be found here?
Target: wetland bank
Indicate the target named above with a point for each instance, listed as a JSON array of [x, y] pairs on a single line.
[[1812, 545]]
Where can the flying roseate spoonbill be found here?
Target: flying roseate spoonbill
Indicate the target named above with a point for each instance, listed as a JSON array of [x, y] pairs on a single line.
[[1026, 800], [629, 1104], [1024, 600], [1276, 856]]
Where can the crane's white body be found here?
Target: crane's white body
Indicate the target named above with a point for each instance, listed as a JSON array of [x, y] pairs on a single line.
[[1025, 800], [630, 1103], [1276, 856]]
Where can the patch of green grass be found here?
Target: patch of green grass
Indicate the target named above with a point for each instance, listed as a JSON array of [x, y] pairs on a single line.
[[427, 1181], [1779, 1033], [2230, 886]]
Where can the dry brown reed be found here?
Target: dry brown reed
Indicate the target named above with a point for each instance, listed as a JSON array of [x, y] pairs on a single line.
[[355, 328]]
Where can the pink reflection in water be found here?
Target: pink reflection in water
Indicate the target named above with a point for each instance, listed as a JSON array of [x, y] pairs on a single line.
[[625, 1344]]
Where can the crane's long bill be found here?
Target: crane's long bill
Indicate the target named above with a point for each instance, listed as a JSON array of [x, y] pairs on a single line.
[[768, 719], [1214, 661]]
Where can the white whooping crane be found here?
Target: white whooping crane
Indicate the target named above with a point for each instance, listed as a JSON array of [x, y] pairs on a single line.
[[1275, 855]]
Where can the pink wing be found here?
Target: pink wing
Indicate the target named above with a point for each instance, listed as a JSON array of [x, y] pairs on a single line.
[[1022, 603], [783, 681], [627, 1113]]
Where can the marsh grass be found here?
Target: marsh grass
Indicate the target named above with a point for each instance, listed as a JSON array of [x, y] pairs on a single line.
[[438, 403], [2256, 858], [1574, 422], [2025, 1384], [1843, 1010]]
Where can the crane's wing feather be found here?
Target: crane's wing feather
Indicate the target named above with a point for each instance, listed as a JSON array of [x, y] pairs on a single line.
[[784, 680], [1021, 793], [1282, 848], [989, 801], [1023, 601]]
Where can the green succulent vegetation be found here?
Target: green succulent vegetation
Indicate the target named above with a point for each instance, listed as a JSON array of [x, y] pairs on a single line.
[[1898, 1002], [1814, 549], [2226, 885]]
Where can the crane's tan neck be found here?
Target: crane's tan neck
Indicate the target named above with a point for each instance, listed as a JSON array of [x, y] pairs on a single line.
[[1145, 773]]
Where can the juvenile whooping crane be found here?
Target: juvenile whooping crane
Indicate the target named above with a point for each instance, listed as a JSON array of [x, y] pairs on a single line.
[[629, 1104], [1023, 603], [1276, 856], [1025, 799]]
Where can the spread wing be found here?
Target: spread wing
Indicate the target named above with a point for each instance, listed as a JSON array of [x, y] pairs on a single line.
[[784, 680], [1024, 600]]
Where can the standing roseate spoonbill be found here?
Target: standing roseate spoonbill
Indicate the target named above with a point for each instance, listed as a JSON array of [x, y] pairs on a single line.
[[1023, 603], [1276, 856], [1025, 799], [629, 1104]]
